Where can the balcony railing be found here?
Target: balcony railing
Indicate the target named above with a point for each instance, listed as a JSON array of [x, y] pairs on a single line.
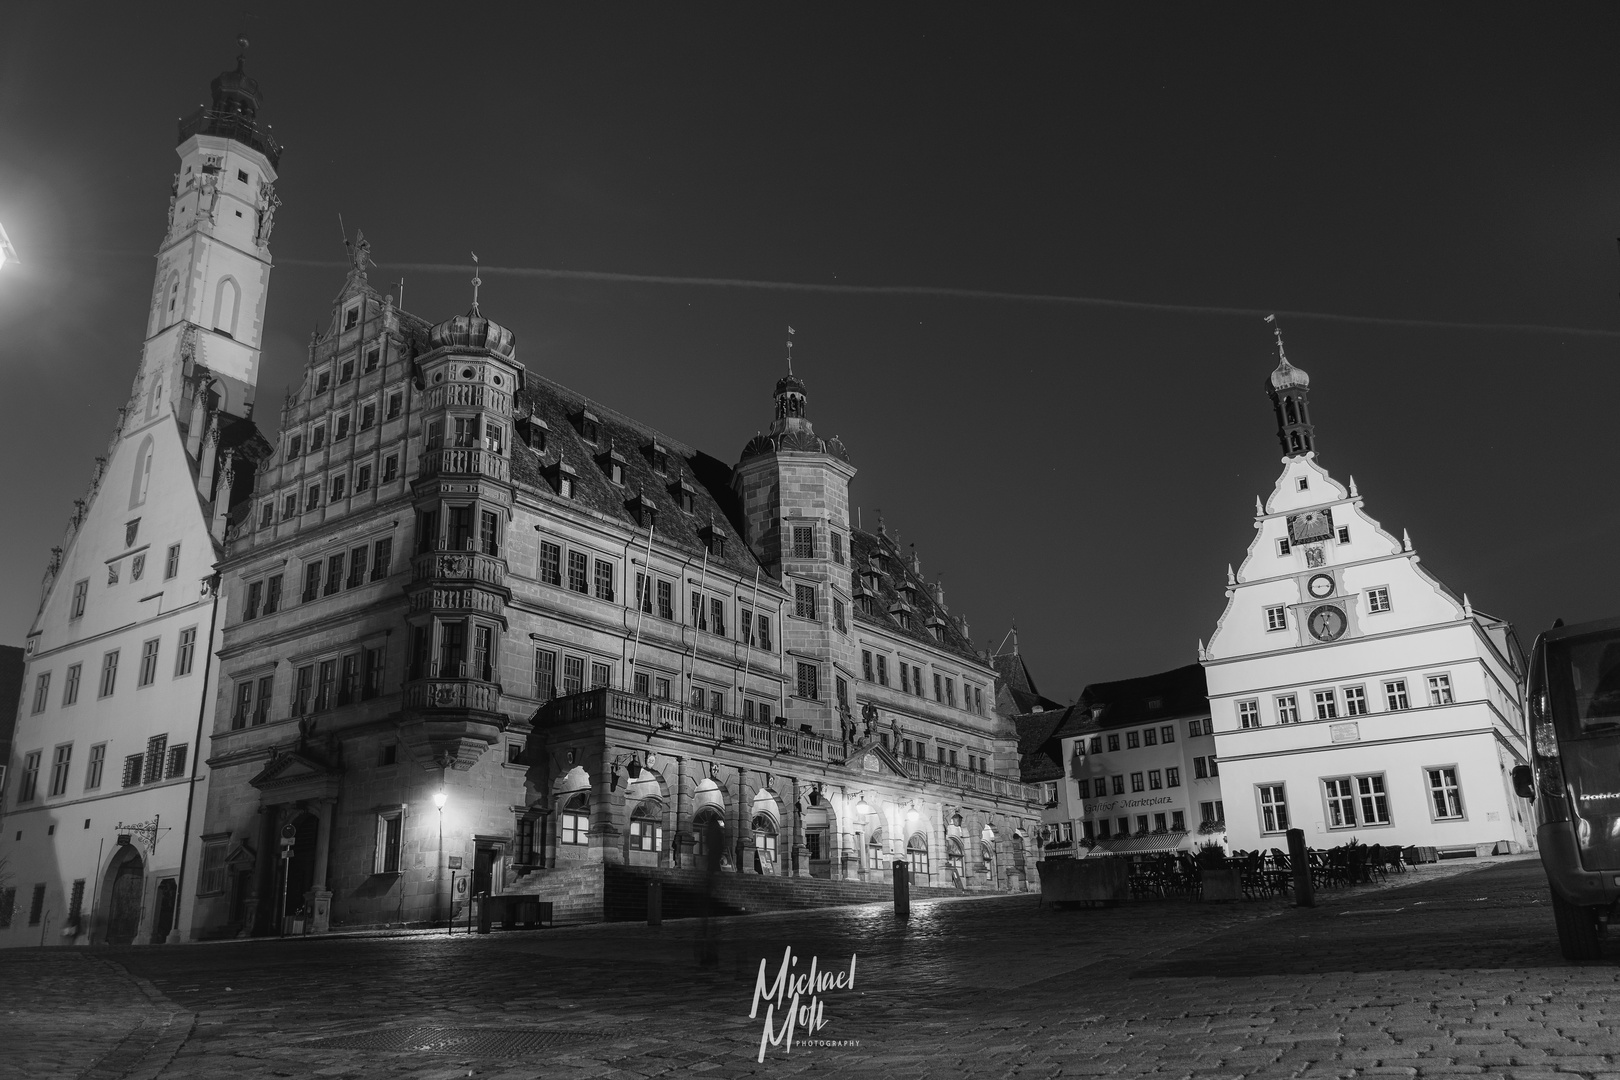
[[206, 121], [465, 461], [452, 694], [474, 394], [472, 566]]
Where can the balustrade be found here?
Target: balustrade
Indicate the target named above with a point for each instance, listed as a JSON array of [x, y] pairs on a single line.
[[465, 461], [475, 395], [452, 694], [459, 566]]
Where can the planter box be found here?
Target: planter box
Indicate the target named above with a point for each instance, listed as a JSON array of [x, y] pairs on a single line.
[[1222, 884], [1415, 855], [1084, 881]]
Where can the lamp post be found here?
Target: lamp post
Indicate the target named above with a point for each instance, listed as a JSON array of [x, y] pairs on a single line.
[[438, 868]]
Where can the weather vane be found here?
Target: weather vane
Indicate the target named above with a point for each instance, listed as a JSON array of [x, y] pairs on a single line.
[[1276, 328], [790, 350], [476, 280]]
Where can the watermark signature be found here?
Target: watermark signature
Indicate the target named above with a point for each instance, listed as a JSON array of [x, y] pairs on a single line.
[[796, 997]]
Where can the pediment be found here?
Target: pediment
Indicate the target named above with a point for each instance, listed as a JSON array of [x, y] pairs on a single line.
[[291, 775], [870, 756]]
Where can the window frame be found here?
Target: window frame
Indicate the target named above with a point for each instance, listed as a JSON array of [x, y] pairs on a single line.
[[1377, 599], [1273, 796], [1276, 616], [1456, 791]]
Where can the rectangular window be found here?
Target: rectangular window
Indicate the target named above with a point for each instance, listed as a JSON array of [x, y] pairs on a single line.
[[1049, 791], [804, 542], [698, 619], [489, 542], [1341, 803], [187, 651], [1378, 599], [303, 689], [1178, 821], [255, 597], [1133, 741], [1136, 781], [917, 681], [1150, 737], [804, 601], [1355, 701], [171, 566], [36, 906], [177, 762], [1283, 547], [372, 677], [1445, 794], [1096, 744], [357, 568], [905, 675], [717, 616], [978, 703], [213, 874], [349, 680], [390, 468], [950, 692], [81, 590], [388, 842], [342, 429], [1327, 704], [109, 673], [1273, 808], [939, 687], [601, 675], [574, 828], [1200, 768], [395, 404], [882, 670], [643, 687], [841, 692], [334, 574], [576, 572], [318, 438], [604, 582], [1172, 777], [1118, 783], [573, 674], [267, 514], [1440, 690], [843, 628], [809, 681], [837, 547], [1167, 733], [1395, 698], [272, 594], [867, 672], [326, 686], [149, 659], [1113, 744], [61, 759], [289, 507], [244, 704], [261, 708], [1287, 709], [156, 748], [666, 609], [368, 416], [42, 691], [1155, 782], [550, 563], [644, 600], [1195, 728], [132, 770], [661, 688], [98, 760], [1276, 618], [312, 580], [1373, 801], [545, 674]]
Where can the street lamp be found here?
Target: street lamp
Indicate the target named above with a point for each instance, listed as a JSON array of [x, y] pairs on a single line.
[[911, 814], [438, 869], [438, 799], [862, 806]]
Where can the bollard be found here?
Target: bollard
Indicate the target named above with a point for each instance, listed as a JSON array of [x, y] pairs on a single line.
[[902, 889], [1300, 860], [486, 913], [655, 903]]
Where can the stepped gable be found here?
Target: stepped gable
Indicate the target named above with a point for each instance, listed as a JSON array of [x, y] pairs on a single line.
[[713, 503], [1181, 691], [897, 573]]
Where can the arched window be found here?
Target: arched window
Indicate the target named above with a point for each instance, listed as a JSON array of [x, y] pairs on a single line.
[[647, 827], [700, 829], [917, 856], [142, 479], [987, 856], [765, 840], [1288, 408], [874, 848], [574, 824], [227, 298], [154, 400], [1293, 440], [1018, 851]]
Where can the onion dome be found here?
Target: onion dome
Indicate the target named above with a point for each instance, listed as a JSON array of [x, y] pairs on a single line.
[[1287, 376], [790, 384], [236, 92], [474, 331]]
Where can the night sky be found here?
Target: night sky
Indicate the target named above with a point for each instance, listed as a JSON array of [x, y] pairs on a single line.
[[1428, 195]]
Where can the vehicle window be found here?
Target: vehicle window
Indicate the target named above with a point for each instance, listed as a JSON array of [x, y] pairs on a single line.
[[1589, 671]]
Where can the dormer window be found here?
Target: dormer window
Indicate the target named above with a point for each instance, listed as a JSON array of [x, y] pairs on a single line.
[[936, 627], [589, 427], [612, 465], [658, 458], [533, 431], [562, 478], [714, 540], [646, 514], [684, 494], [295, 446], [1304, 483], [323, 380], [351, 317]]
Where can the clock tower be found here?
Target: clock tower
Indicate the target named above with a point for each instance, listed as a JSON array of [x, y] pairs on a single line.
[[1352, 692]]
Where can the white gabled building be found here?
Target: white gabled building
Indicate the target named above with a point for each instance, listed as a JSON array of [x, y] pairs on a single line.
[[1353, 694], [103, 806]]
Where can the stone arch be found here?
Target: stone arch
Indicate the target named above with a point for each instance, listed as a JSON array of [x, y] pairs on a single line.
[[123, 894], [917, 856], [227, 303], [142, 480]]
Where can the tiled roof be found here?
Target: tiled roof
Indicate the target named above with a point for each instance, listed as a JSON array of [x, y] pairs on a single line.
[[1179, 692], [713, 501], [897, 573], [1013, 677], [1040, 751]]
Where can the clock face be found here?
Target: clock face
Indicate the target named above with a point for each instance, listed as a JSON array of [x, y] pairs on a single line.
[[1321, 586], [1327, 623]]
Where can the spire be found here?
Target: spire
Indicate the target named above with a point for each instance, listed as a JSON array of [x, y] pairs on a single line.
[[1231, 577], [1288, 387], [1259, 508], [476, 282], [1354, 494], [1406, 540]]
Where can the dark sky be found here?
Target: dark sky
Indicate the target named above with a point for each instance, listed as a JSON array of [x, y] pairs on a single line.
[[1087, 470]]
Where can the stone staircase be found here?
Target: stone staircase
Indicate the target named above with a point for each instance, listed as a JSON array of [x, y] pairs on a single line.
[[618, 893]]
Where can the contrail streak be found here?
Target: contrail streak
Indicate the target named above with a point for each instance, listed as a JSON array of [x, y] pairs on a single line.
[[959, 294]]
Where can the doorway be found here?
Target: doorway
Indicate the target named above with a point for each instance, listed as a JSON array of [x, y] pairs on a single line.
[[124, 896], [486, 863], [301, 867], [163, 916]]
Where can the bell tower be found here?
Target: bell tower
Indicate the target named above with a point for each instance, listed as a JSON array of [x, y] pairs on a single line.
[[206, 320], [1289, 387]]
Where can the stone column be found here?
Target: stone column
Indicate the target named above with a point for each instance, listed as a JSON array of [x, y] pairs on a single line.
[[743, 849], [264, 874], [799, 866], [320, 895], [680, 833], [606, 810]]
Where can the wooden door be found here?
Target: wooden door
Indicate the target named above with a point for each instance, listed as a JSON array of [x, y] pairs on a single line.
[[124, 913]]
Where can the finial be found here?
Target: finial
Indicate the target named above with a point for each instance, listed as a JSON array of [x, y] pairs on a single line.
[[1282, 357], [1231, 577], [1203, 653], [241, 43], [1354, 494], [1468, 609], [476, 280], [401, 284], [1259, 510], [790, 350], [1406, 540]]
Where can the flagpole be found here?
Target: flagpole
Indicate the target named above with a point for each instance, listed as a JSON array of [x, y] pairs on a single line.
[[647, 579]]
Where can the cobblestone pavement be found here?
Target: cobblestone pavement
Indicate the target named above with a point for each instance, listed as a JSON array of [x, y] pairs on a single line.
[[1455, 971]]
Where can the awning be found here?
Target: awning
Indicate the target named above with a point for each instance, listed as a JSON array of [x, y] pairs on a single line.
[[1136, 845]]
